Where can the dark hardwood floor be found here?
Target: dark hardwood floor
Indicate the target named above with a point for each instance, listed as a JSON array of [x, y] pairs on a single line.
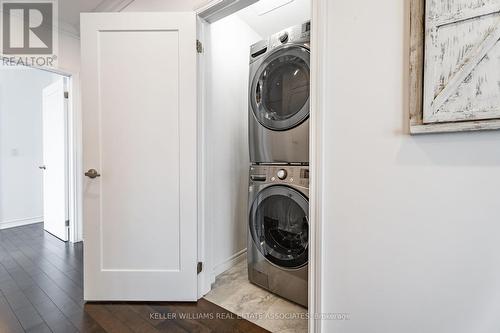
[[41, 290]]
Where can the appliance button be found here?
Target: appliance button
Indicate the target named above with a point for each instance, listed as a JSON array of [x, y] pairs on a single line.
[[284, 38], [282, 174]]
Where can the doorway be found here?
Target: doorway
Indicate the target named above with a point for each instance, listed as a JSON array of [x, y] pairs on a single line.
[[231, 45], [36, 147]]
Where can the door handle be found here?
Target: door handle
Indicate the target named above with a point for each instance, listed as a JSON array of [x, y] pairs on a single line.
[[92, 173], [42, 167]]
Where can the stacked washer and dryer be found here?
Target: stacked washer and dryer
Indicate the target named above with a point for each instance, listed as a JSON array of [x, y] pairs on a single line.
[[278, 232]]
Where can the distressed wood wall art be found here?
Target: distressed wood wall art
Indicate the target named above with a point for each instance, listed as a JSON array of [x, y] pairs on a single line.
[[454, 65]]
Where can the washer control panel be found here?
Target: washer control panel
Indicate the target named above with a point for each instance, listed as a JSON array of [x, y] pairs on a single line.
[[290, 174]]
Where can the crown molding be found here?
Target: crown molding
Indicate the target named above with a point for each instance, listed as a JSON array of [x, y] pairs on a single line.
[[112, 5]]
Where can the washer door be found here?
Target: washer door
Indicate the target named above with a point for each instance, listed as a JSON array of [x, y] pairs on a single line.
[[279, 225], [280, 89]]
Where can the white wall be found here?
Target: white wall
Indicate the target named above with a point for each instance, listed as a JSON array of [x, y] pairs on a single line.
[[227, 56], [69, 53], [412, 233], [21, 199]]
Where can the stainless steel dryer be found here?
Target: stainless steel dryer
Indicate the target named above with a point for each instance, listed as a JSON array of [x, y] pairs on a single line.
[[279, 97], [278, 237]]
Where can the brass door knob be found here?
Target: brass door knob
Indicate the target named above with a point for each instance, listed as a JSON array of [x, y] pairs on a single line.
[[92, 173]]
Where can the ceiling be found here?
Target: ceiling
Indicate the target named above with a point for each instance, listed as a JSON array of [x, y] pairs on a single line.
[[267, 17], [69, 11]]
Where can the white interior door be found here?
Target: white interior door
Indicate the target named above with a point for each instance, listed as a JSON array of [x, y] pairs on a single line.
[[55, 160], [139, 135]]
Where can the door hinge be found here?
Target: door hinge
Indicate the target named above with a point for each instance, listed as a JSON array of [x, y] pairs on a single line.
[[199, 267], [199, 46], [67, 223], [66, 94]]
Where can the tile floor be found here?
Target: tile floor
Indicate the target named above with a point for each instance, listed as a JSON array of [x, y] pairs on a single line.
[[232, 291]]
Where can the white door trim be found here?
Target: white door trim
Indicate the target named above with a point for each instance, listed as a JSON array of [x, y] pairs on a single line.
[[75, 153], [318, 61], [319, 40], [205, 237], [74, 150]]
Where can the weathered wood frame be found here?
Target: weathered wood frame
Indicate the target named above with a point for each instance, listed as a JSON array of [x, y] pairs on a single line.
[[417, 126]]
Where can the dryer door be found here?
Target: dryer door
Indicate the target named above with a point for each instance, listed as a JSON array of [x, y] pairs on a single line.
[[279, 225], [279, 92]]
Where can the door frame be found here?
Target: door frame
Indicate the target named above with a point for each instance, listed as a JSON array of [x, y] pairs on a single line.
[[319, 34], [75, 151], [75, 148]]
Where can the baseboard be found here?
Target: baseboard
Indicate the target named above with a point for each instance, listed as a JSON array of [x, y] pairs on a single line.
[[230, 262], [20, 222]]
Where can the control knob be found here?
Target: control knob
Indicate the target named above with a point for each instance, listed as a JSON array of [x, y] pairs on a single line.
[[282, 174]]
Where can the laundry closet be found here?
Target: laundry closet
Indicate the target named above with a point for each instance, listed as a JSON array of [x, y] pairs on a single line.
[[255, 125]]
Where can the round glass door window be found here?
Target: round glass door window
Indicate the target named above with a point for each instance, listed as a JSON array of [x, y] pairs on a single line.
[[279, 225], [280, 89]]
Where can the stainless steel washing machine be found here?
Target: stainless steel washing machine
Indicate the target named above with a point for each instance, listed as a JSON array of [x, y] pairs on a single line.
[[278, 230], [279, 97]]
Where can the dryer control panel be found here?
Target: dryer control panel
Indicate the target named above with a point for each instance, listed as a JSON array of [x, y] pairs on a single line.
[[299, 34], [295, 35]]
